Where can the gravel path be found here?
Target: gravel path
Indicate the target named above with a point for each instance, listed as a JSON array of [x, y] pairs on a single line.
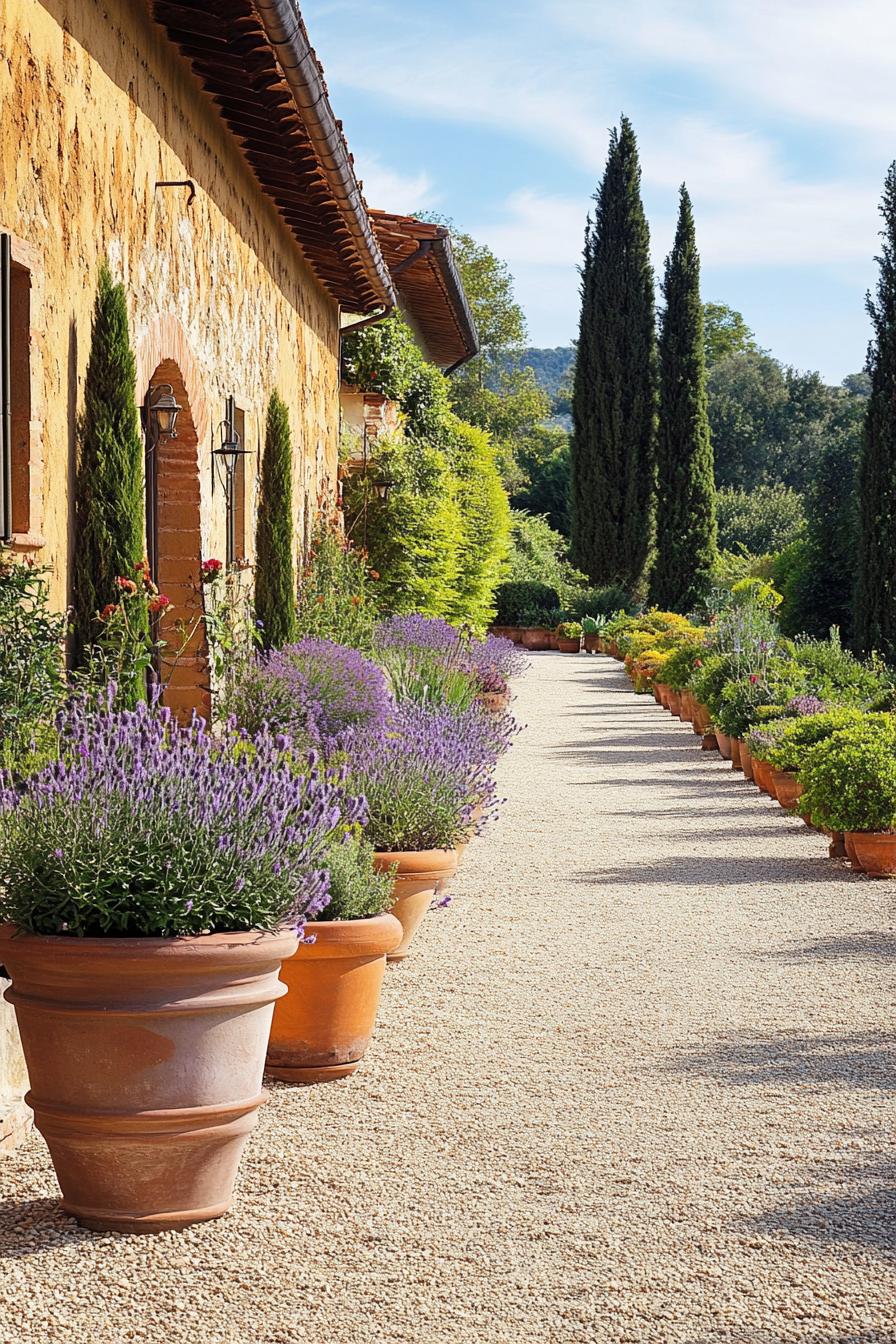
[[636, 1084]]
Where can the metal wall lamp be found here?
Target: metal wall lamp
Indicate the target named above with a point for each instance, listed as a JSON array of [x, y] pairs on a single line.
[[163, 410]]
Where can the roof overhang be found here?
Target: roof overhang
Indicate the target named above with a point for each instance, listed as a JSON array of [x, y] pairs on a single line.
[[254, 60], [429, 287]]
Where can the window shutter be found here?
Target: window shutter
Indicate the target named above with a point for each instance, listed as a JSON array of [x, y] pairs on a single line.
[[5, 390]]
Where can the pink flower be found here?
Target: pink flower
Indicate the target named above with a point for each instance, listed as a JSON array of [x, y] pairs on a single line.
[[159, 603], [753, 678]]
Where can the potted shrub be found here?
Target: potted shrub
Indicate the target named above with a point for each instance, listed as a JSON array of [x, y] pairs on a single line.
[[537, 632], [569, 637], [423, 778], [494, 662], [154, 879], [322, 1028], [591, 633], [808, 725], [849, 785], [516, 601]]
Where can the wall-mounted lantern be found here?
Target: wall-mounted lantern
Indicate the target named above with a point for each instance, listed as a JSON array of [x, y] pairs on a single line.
[[226, 455], [163, 411], [383, 488]]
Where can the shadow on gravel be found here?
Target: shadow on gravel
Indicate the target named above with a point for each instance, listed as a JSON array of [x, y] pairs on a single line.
[[29, 1226], [863, 1214], [868, 946], [864, 1061], [699, 870]]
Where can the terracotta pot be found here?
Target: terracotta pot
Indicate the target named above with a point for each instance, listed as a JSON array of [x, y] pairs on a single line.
[[703, 721], [673, 703], [322, 1027], [849, 847], [503, 631], [536, 638], [421, 872], [613, 649], [724, 742], [873, 851], [494, 701], [568, 645], [788, 789], [746, 761], [762, 777], [146, 1058], [735, 753], [592, 643]]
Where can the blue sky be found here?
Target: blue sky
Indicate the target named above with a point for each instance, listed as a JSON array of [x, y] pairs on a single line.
[[781, 118]]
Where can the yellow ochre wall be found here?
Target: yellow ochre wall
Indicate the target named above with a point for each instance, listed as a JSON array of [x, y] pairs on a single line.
[[96, 107]]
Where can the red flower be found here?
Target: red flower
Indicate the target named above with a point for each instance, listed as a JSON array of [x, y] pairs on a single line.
[[210, 570], [159, 603], [753, 678], [697, 662], [126, 585], [108, 610], [374, 574]]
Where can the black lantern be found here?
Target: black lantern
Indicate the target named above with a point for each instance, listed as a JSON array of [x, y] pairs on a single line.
[[163, 411], [383, 488], [225, 457]]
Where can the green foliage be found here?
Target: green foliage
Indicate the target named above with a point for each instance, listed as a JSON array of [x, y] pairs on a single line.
[[539, 555], [875, 616], [357, 890], [519, 596], [685, 515], [428, 677], [32, 684], [614, 395], [793, 737], [711, 678], [849, 779], [412, 538], [275, 587], [483, 540], [381, 358], [570, 629], [738, 706], [682, 664], [543, 465], [599, 601], [725, 333], [759, 521], [109, 498], [337, 595]]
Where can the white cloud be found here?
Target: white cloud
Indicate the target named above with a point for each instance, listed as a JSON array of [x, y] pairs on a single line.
[[385, 188]]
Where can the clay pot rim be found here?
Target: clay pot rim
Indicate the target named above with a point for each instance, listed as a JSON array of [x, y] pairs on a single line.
[[371, 935], [417, 862], [176, 945], [864, 835]]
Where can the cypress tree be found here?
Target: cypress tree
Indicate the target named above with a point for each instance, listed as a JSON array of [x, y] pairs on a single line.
[[275, 588], [614, 394], [875, 617], [109, 498], [686, 508]]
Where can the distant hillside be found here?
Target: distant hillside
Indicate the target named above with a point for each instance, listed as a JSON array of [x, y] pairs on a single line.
[[550, 366]]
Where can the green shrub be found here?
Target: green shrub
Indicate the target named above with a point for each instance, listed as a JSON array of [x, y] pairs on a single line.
[[357, 890], [514, 599], [849, 779], [336, 597], [682, 664], [32, 684], [539, 555], [275, 587], [710, 679], [569, 630], [760, 521], [834, 673], [600, 601], [739, 703], [795, 736], [484, 539]]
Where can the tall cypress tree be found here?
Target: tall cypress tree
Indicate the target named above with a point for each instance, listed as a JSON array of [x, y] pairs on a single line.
[[109, 498], [875, 615], [686, 507], [275, 586], [614, 393]]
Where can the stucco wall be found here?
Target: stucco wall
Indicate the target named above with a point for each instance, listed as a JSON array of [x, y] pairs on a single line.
[[96, 107]]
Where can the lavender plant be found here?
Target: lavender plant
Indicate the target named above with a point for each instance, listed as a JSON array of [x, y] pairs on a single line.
[[316, 691], [145, 828], [428, 775]]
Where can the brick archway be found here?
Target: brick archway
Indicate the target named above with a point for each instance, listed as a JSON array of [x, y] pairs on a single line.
[[173, 514]]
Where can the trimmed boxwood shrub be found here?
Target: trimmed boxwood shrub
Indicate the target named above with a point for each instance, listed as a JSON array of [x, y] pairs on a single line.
[[795, 736], [513, 599], [849, 779]]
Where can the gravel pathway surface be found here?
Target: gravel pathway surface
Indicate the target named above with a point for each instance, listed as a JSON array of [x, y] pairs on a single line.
[[635, 1084]]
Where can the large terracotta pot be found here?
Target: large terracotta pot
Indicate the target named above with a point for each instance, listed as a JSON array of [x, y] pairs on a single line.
[[873, 851], [503, 631], [536, 638], [788, 789], [420, 874], [146, 1058], [613, 649], [746, 761], [494, 701], [762, 777], [568, 645], [850, 849], [724, 742], [592, 643], [703, 721], [322, 1027], [735, 753], [673, 702]]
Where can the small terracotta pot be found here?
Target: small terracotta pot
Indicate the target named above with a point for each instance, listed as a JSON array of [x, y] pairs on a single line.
[[146, 1058], [735, 753], [536, 638], [421, 872], [322, 1027], [873, 851], [592, 643], [788, 789], [567, 645], [613, 649], [724, 742], [673, 703], [494, 701], [746, 761], [762, 777]]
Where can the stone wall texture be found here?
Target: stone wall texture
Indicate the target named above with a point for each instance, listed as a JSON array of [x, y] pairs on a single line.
[[96, 108]]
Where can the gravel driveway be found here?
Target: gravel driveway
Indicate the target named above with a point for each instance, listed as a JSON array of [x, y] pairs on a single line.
[[635, 1084]]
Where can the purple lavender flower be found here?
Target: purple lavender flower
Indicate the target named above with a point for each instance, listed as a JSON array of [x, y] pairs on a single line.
[[802, 705]]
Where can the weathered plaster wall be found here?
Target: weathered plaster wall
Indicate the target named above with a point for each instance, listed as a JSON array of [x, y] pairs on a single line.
[[95, 108]]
